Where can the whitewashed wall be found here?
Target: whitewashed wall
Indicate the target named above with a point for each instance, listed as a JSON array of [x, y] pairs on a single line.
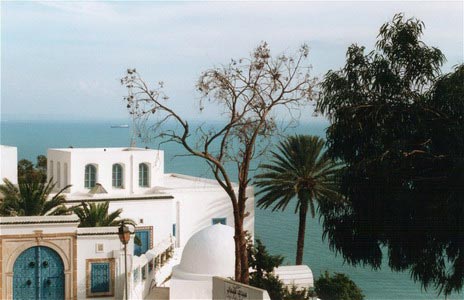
[[112, 248], [8, 164], [103, 159], [156, 213], [198, 207]]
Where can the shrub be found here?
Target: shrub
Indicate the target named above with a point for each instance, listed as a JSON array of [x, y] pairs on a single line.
[[336, 287]]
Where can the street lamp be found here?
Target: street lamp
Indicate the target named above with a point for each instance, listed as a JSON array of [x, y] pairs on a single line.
[[124, 236]]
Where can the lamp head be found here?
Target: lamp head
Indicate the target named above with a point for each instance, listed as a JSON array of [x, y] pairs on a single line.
[[124, 234]]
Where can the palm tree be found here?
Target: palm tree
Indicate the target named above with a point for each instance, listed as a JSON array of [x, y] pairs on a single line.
[[97, 215], [302, 170], [31, 198]]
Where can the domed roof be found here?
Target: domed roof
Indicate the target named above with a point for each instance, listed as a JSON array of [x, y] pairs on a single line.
[[211, 251]]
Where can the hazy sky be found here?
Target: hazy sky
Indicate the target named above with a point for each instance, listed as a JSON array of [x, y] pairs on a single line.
[[64, 60]]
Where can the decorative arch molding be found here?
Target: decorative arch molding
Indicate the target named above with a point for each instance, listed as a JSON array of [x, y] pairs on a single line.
[[64, 244], [44, 243]]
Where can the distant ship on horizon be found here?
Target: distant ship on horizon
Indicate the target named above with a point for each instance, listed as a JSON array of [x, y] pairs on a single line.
[[120, 126]]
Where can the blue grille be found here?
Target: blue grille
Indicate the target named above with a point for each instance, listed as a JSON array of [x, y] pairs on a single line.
[[144, 235], [100, 276]]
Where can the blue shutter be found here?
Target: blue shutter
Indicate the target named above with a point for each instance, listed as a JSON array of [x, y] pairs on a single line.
[[100, 277], [145, 239]]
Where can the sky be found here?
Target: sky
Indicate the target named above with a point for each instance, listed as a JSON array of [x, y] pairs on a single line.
[[64, 60]]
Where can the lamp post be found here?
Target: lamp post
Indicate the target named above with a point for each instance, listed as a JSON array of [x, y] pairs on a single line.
[[124, 236]]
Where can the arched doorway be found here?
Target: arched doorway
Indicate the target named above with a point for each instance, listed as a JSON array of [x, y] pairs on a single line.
[[38, 273]]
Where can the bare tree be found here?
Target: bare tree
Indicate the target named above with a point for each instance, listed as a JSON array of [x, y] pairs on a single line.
[[248, 91]]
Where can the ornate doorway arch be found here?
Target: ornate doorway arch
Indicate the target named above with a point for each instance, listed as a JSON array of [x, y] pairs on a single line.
[[38, 273]]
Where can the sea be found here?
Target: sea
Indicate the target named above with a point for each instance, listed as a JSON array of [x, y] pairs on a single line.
[[278, 230]]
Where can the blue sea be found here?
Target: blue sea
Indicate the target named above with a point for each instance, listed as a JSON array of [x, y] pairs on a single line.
[[278, 230]]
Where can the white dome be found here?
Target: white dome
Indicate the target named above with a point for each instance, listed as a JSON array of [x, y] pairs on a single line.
[[210, 251]]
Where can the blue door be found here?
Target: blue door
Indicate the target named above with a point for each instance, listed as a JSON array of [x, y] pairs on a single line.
[[38, 273], [144, 241]]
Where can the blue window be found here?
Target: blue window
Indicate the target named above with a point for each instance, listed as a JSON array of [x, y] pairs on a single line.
[[145, 238], [100, 278], [90, 176], [173, 229], [222, 221], [143, 175], [117, 176]]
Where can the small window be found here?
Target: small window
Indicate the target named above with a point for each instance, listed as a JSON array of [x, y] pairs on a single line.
[[117, 176], [100, 277], [52, 170], [65, 174], [90, 176], [222, 221], [143, 175], [151, 265], [144, 235], [99, 248], [144, 272], [173, 229], [156, 262]]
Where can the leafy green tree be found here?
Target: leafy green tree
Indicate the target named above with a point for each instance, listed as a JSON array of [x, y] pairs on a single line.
[[337, 287], [398, 126], [263, 265], [97, 215], [41, 165], [31, 198], [25, 168], [302, 171], [261, 261], [28, 172], [295, 293]]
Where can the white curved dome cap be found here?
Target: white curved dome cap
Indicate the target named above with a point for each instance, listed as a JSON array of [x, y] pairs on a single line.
[[211, 251]]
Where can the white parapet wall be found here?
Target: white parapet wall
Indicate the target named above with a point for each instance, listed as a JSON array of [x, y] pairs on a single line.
[[9, 163], [67, 166]]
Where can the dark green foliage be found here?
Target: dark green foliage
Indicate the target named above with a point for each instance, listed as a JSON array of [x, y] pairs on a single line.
[[41, 164], [337, 287], [31, 198], [97, 215], [270, 283], [28, 172], [398, 126], [263, 265], [298, 294], [299, 171], [261, 261]]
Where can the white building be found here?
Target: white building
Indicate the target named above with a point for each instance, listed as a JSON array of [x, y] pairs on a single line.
[[9, 163], [181, 255], [167, 208], [133, 179]]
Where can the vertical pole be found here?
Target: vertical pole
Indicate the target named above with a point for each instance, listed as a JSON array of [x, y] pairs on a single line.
[[126, 291]]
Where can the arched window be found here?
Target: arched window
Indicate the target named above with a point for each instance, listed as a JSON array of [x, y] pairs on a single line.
[[65, 174], [52, 170], [90, 176], [58, 175], [143, 175], [117, 176]]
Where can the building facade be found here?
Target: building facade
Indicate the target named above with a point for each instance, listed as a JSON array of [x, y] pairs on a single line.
[[50, 257]]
